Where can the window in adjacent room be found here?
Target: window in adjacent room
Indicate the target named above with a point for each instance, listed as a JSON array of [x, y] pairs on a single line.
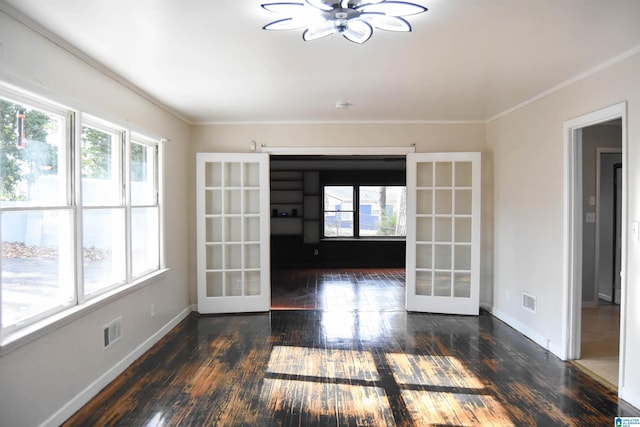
[[364, 211], [382, 211], [338, 211]]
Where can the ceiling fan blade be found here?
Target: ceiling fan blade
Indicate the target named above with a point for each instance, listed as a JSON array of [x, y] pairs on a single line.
[[393, 8], [319, 4], [384, 22], [285, 24], [318, 31], [290, 9], [357, 31]]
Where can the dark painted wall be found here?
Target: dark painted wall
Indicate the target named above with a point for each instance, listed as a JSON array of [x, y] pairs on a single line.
[[291, 251]]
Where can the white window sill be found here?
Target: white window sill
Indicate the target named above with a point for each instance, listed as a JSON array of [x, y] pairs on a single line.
[[30, 333]]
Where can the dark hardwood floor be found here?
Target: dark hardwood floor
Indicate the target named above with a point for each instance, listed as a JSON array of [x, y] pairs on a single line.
[[338, 290], [357, 367]]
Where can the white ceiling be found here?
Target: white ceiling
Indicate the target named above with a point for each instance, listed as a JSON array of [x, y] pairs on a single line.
[[466, 60]]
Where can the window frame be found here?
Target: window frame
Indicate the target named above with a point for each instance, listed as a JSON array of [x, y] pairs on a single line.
[[66, 205], [354, 211], [120, 204], [355, 186], [384, 237], [14, 335], [136, 138]]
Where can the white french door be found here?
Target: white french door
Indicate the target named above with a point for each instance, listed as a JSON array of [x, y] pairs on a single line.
[[443, 233], [232, 232]]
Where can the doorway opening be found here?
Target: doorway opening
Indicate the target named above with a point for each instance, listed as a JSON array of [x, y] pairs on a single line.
[[596, 215], [318, 262], [601, 243]]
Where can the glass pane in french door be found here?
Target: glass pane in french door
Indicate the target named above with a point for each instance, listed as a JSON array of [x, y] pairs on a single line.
[[441, 263]]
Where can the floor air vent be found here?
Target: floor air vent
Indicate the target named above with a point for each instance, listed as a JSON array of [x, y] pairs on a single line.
[[112, 332], [528, 302]]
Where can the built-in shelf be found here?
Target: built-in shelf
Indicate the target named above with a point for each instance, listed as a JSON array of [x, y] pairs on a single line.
[[297, 194]]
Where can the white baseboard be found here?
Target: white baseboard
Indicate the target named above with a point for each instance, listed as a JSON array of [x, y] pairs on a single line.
[[486, 307], [534, 336], [94, 388], [604, 297], [629, 396]]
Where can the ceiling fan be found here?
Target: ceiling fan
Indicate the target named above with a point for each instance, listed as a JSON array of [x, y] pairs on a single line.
[[354, 19]]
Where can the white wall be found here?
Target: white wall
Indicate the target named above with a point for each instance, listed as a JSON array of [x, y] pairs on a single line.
[[528, 152], [426, 137], [44, 380]]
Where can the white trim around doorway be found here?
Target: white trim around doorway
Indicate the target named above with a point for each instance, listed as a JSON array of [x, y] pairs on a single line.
[[343, 151], [572, 231]]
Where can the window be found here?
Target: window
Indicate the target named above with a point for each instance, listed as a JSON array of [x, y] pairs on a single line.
[[364, 211], [35, 212], [103, 208], [382, 211], [110, 212], [145, 208], [338, 211]]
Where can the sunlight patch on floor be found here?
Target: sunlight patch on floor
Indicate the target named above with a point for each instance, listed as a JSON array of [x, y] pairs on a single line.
[[331, 404], [323, 363]]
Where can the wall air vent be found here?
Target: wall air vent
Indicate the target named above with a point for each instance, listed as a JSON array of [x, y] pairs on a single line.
[[528, 302], [112, 332]]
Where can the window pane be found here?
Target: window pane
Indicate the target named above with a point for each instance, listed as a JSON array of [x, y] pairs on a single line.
[[143, 174], [338, 224], [338, 211], [101, 168], [338, 198], [382, 211], [103, 249], [32, 156], [37, 263], [145, 241]]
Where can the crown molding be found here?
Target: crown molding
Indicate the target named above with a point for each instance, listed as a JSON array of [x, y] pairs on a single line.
[[69, 48], [569, 82], [341, 122]]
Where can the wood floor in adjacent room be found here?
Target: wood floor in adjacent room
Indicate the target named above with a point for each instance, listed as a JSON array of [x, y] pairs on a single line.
[[353, 359], [600, 342], [338, 289]]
